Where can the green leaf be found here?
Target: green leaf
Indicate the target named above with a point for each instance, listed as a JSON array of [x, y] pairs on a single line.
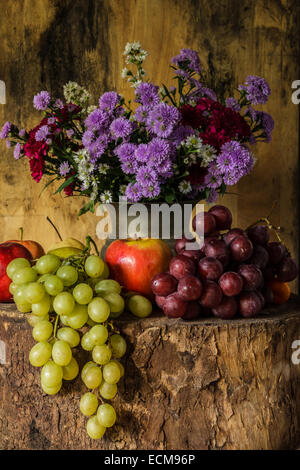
[[48, 184], [65, 184], [170, 198], [90, 206]]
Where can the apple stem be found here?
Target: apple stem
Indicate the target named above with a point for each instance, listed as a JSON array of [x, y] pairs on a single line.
[[21, 233], [50, 221]]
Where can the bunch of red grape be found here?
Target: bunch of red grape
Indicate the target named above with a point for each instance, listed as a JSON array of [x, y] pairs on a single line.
[[228, 275]]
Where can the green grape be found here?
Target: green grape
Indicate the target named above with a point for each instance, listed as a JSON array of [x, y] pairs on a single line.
[[118, 345], [139, 306], [121, 367], [116, 304], [24, 276], [40, 354], [94, 429], [69, 335], [47, 264], [78, 317], [34, 319], [106, 286], [15, 265], [64, 319], [42, 279], [101, 354], [98, 310], [19, 294], [71, 370], [24, 307], [94, 266], [41, 308], [106, 415], [12, 288], [92, 377], [68, 275], [108, 391], [61, 353], [34, 292], [111, 373], [51, 390], [51, 374], [64, 303], [53, 285], [105, 274], [98, 334], [83, 293], [86, 342], [86, 367], [88, 404], [91, 322], [42, 330]]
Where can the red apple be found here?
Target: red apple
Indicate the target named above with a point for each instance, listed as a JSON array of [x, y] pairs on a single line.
[[8, 252], [134, 263]]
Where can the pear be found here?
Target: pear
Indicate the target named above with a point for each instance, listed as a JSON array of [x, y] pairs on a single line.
[[68, 242], [65, 251]]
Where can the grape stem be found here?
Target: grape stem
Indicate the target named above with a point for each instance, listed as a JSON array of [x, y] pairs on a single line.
[[267, 222], [89, 240], [55, 326], [55, 228]]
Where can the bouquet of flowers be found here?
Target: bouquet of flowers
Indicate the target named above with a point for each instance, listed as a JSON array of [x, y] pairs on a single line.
[[170, 144]]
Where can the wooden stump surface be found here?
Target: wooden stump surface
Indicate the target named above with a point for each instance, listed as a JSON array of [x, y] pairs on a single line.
[[206, 384]]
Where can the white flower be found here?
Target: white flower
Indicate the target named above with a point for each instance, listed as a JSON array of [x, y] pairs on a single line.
[[193, 141], [185, 187], [103, 168], [76, 94], [85, 167], [94, 192], [123, 188], [125, 72], [106, 197], [91, 109], [207, 154]]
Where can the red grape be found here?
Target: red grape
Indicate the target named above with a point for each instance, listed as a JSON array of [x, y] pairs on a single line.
[[211, 295], [276, 251], [210, 269], [269, 273], [287, 270], [160, 300], [268, 295], [232, 234], [241, 248], [204, 223], [193, 311], [259, 234], [181, 244], [174, 307], [227, 308], [249, 304], [195, 255], [180, 266], [252, 276], [262, 299], [231, 283], [217, 249], [260, 257], [189, 288], [223, 217], [163, 284]]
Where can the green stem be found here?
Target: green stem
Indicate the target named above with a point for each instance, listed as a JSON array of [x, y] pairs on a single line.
[[89, 240], [55, 326]]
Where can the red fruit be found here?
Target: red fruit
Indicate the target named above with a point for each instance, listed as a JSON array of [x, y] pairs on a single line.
[[210, 269], [174, 307], [211, 295], [189, 288], [252, 276], [8, 252], [241, 248], [231, 283], [262, 299], [269, 273], [204, 224], [160, 300], [287, 270], [223, 217], [217, 249], [268, 295], [195, 255], [260, 257], [181, 244], [163, 284], [232, 234], [250, 304], [259, 234], [193, 311], [180, 266], [227, 308], [276, 251]]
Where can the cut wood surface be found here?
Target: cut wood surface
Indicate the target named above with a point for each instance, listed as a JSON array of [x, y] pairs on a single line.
[[205, 384]]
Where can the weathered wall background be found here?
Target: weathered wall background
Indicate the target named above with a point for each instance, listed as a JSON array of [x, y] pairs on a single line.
[[44, 43]]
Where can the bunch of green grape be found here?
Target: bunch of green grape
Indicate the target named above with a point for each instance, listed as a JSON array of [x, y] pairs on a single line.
[[60, 298]]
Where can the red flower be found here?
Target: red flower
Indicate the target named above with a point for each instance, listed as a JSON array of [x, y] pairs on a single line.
[[68, 190], [36, 164], [197, 175], [191, 116]]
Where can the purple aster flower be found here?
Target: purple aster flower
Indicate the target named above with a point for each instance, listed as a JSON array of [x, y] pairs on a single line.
[[22, 132], [109, 100], [147, 94], [97, 120], [187, 58], [133, 192], [88, 138], [64, 169], [58, 104], [213, 196], [151, 189], [264, 120], [233, 104], [146, 175], [163, 119], [5, 130], [98, 147], [126, 155], [42, 100], [121, 127], [42, 133], [17, 151], [8, 144], [257, 89], [142, 153], [142, 113], [234, 161], [51, 120], [70, 133], [213, 179], [183, 74], [180, 134], [48, 141]]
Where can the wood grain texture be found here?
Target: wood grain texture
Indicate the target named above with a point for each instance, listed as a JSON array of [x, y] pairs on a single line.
[[205, 384], [44, 43]]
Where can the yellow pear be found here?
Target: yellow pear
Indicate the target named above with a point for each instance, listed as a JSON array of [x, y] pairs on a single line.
[[65, 251], [68, 242]]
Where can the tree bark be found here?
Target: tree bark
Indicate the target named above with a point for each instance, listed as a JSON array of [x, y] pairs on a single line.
[[206, 384]]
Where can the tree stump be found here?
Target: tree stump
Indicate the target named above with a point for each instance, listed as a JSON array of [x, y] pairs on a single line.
[[205, 384]]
